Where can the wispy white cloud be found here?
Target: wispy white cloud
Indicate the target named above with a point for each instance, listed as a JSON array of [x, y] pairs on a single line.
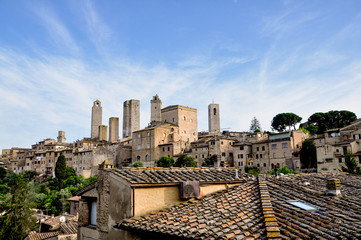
[[57, 30], [99, 32]]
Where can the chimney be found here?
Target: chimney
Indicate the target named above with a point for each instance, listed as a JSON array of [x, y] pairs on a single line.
[[333, 187]]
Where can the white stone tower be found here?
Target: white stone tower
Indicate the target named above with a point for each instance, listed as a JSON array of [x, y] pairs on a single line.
[[131, 117], [213, 118], [96, 119], [155, 109], [113, 129]]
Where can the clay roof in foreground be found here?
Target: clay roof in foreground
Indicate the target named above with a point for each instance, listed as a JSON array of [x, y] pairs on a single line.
[[225, 214], [177, 175], [288, 207]]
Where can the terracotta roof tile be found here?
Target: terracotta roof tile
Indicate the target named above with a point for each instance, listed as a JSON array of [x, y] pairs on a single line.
[[176, 175], [212, 217], [335, 218]]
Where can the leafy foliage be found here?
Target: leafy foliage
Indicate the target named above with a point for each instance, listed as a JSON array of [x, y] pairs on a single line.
[[3, 173], [17, 220], [255, 125], [209, 161], [137, 164], [320, 122], [252, 170], [185, 161], [284, 170], [351, 164], [308, 155], [165, 161], [60, 168], [283, 120]]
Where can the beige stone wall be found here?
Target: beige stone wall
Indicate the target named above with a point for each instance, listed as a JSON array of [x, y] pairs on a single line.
[[103, 133], [156, 198], [185, 118], [131, 117], [113, 129], [155, 109], [96, 120], [260, 156], [214, 124], [241, 153], [146, 143]]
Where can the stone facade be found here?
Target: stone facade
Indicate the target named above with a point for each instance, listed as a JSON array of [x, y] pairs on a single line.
[[334, 144], [155, 109], [96, 119], [131, 117], [103, 133], [113, 129], [213, 118], [185, 118], [61, 137], [148, 143]]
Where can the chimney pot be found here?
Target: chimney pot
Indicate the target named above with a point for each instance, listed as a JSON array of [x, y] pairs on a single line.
[[333, 187]]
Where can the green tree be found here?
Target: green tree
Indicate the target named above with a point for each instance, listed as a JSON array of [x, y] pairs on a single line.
[[351, 164], [319, 122], [209, 161], [70, 172], [252, 170], [60, 168], [137, 164], [185, 161], [2, 173], [283, 120], [17, 219], [165, 161], [255, 125], [308, 155]]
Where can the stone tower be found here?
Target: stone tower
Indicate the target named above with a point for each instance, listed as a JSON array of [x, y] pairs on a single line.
[[131, 117], [96, 119], [155, 109], [113, 129], [103, 132], [213, 118], [61, 137]]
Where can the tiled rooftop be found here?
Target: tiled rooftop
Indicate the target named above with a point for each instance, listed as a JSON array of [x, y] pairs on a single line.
[[176, 175], [41, 236], [335, 218], [261, 209], [233, 213], [69, 228]]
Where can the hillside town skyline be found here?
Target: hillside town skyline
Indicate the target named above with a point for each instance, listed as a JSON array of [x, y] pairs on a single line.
[[254, 60], [145, 112]]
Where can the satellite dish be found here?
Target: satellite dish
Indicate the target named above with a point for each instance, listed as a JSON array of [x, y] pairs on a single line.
[[62, 219]]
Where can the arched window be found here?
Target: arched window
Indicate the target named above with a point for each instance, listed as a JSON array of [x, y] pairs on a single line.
[[214, 111], [138, 158], [147, 158]]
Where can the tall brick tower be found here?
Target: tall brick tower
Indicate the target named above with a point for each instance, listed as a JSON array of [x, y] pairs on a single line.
[[113, 129], [131, 117], [213, 118], [155, 109], [96, 119]]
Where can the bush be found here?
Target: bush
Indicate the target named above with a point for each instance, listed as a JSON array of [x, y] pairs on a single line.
[[252, 170], [209, 161], [185, 161], [165, 161], [137, 164], [351, 164], [284, 170]]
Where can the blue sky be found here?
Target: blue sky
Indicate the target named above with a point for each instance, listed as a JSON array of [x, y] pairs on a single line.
[[254, 58]]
